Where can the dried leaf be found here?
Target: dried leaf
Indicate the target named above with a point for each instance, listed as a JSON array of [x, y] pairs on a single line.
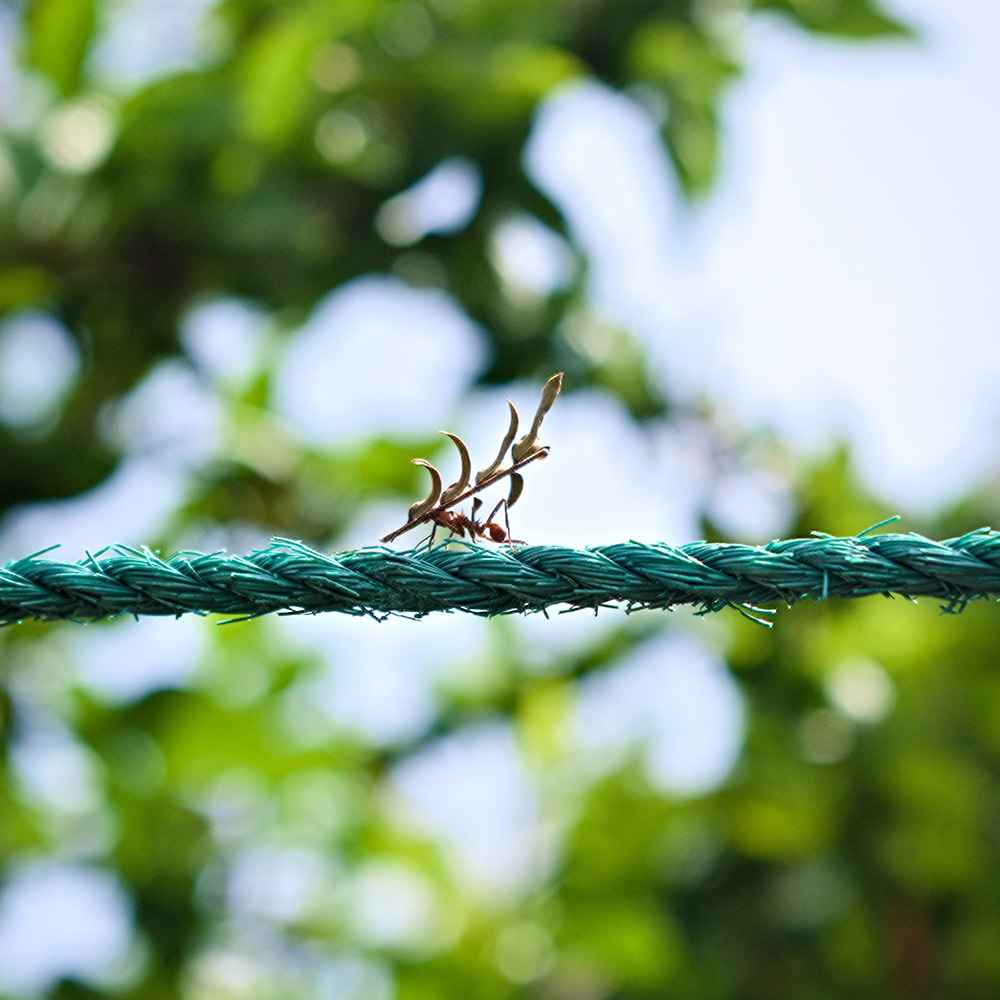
[[462, 483], [516, 485], [508, 437], [529, 444], [421, 507]]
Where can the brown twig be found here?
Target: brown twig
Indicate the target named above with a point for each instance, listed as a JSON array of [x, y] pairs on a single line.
[[462, 497]]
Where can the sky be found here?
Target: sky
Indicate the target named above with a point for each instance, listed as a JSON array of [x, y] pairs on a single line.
[[853, 260], [840, 280]]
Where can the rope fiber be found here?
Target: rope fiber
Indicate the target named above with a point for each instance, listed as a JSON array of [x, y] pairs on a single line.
[[288, 576]]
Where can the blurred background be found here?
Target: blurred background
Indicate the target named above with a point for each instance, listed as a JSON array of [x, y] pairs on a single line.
[[255, 254]]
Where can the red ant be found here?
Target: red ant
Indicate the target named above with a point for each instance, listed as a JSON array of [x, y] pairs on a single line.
[[436, 508], [458, 523]]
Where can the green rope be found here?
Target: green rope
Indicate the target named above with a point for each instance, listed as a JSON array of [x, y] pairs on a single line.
[[288, 576]]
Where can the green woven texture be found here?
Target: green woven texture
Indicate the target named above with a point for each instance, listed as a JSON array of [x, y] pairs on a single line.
[[288, 576]]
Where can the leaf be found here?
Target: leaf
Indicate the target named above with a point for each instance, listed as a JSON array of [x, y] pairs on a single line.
[[276, 62], [59, 33], [461, 484], [505, 444], [847, 18], [511, 81], [692, 138], [692, 67], [276, 80], [529, 444], [421, 507], [516, 486]]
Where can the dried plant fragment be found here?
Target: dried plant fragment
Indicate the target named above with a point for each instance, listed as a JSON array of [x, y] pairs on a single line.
[[461, 484], [504, 445], [422, 507], [529, 444], [434, 509], [516, 486]]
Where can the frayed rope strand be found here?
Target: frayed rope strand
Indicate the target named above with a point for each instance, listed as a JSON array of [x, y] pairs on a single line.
[[288, 576]]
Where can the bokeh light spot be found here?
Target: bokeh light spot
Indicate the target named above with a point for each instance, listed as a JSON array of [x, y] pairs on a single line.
[[39, 361], [444, 201], [76, 137], [862, 690], [530, 257], [341, 136], [524, 952], [61, 920]]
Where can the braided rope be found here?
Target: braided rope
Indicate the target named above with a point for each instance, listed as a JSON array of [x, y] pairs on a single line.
[[291, 577]]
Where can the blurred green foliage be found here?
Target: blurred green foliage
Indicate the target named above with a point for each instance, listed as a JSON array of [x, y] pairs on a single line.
[[853, 851]]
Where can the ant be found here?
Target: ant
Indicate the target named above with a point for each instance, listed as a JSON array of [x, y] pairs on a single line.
[[437, 507], [458, 523]]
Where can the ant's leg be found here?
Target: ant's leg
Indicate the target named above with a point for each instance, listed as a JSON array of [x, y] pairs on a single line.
[[492, 530], [506, 519], [498, 534], [502, 503]]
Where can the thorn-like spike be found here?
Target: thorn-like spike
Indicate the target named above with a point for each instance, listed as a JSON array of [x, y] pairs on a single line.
[[461, 484], [508, 437], [530, 444], [421, 507]]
